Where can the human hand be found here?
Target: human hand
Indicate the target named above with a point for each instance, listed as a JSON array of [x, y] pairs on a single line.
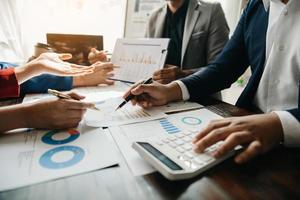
[[53, 63], [50, 63], [55, 113], [102, 73], [95, 56], [168, 74], [260, 133], [154, 94]]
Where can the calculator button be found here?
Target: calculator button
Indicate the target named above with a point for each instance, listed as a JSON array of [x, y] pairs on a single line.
[[182, 157], [187, 139], [180, 149], [187, 147], [178, 142], [172, 138], [199, 163], [179, 135], [165, 141], [188, 163], [172, 144], [187, 133], [195, 165], [189, 155], [204, 158], [159, 143]]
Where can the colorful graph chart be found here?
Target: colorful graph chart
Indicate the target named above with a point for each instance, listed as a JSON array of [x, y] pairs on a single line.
[[48, 137], [168, 126], [191, 120], [46, 159]]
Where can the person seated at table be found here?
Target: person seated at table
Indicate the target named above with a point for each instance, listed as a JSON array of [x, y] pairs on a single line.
[[50, 114], [266, 39], [40, 84], [198, 31]]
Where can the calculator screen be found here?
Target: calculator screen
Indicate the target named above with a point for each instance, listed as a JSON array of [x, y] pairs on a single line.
[[160, 156]]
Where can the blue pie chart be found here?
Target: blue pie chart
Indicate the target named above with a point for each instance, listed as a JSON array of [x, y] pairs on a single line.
[[191, 120], [47, 161], [48, 137]]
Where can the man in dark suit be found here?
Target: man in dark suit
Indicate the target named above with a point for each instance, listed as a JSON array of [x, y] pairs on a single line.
[[266, 39], [198, 31]]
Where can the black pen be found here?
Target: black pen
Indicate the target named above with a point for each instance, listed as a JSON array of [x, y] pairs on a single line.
[[131, 96]]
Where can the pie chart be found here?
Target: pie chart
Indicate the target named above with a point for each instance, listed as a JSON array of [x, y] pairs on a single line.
[[58, 137], [191, 121], [47, 159]]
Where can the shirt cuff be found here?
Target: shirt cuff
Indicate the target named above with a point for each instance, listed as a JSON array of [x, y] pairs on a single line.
[[291, 128], [184, 91]]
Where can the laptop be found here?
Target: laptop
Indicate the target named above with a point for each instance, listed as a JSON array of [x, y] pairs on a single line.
[[78, 45]]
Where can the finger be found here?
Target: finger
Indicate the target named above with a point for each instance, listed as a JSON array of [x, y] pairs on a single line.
[[156, 73], [211, 126], [94, 50], [140, 89], [75, 114], [232, 141], [76, 96], [255, 148], [78, 105], [65, 56], [128, 92], [109, 82], [213, 137]]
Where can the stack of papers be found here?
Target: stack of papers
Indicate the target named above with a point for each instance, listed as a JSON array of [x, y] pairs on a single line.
[[36, 156]]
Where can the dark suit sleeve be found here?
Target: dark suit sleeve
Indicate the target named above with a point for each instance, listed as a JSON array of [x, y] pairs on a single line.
[[296, 113], [218, 33], [42, 83], [225, 70]]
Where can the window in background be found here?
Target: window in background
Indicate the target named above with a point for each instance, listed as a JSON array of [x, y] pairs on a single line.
[[38, 17]]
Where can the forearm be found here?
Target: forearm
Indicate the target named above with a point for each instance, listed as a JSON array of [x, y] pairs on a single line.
[[12, 117]]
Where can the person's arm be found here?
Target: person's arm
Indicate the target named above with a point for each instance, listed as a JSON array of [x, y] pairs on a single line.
[[46, 114], [229, 65], [217, 34], [9, 86], [42, 83]]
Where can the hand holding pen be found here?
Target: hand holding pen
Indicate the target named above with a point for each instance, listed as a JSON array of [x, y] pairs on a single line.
[[129, 96], [67, 96]]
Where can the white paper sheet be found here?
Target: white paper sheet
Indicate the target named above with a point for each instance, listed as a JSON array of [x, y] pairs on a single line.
[[37, 156], [179, 106], [90, 92], [125, 135], [128, 114], [138, 58]]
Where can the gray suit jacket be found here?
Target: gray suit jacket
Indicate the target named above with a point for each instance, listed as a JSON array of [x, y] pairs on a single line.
[[205, 32]]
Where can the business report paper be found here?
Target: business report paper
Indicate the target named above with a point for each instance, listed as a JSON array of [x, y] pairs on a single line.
[[125, 135], [36, 156], [138, 59], [108, 115]]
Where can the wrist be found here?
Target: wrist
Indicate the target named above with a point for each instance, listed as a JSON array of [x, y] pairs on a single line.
[[78, 81], [173, 92], [276, 125]]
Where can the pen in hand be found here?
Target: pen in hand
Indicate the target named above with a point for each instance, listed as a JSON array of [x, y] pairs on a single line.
[[131, 96], [65, 96]]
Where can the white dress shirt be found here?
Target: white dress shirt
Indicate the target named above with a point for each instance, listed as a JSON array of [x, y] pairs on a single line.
[[278, 89]]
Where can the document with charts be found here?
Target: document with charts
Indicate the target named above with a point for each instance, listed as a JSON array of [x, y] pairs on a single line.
[[138, 59], [124, 136], [36, 156], [108, 115]]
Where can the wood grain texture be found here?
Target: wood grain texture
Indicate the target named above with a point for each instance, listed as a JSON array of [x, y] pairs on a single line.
[[275, 175]]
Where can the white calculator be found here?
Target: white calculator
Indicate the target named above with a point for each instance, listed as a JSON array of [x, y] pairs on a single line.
[[174, 157]]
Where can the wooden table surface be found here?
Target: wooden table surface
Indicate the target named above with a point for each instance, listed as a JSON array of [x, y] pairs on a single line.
[[275, 175]]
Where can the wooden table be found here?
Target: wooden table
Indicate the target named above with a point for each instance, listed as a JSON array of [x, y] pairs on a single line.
[[275, 175]]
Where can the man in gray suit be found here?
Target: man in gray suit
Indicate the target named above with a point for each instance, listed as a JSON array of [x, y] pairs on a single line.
[[198, 31]]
